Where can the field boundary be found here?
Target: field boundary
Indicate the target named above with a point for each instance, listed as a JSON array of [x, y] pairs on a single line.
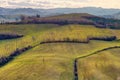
[[67, 40], [17, 52]]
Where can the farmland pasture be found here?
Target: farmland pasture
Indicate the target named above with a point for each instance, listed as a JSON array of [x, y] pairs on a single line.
[[54, 61], [50, 61], [77, 33], [102, 66], [34, 35], [31, 35]]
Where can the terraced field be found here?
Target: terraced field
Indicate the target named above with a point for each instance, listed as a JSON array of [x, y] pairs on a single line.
[[55, 48]]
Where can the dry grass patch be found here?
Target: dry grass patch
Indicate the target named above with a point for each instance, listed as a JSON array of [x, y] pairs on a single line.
[[102, 66], [77, 33]]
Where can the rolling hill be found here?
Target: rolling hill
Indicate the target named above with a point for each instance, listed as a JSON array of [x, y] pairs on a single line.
[[60, 52], [57, 11], [29, 11], [73, 18], [116, 16]]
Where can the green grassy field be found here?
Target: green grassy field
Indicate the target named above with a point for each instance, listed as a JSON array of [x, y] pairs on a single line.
[[54, 61], [80, 33], [44, 33], [31, 36], [102, 66]]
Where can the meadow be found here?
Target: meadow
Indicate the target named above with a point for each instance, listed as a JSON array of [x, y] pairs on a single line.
[[78, 33], [102, 66], [55, 48], [35, 34]]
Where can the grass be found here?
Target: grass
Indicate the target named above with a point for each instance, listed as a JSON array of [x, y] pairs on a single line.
[[34, 34], [55, 61], [25, 29], [31, 36], [80, 33], [49, 61], [37, 65], [102, 66]]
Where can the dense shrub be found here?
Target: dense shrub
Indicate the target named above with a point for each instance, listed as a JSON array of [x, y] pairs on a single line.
[[9, 36]]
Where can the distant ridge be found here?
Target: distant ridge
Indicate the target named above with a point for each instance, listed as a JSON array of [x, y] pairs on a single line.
[[30, 11], [51, 12]]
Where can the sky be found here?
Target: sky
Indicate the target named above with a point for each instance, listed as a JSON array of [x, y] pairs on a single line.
[[46, 4]]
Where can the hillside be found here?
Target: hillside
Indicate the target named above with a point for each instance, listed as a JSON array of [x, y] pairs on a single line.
[[64, 47], [29, 11], [116, 16], [50, 62], [102, 66], [74, 18], [113, 16], [8, 12]]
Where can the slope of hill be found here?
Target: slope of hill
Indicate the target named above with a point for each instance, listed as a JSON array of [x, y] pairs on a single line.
[[77, 33], [49, 51], [29, 11], [90, 10], [35, 34], [20, 11], [116, 16], [74, 18], [52, 62], [102, 66]]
